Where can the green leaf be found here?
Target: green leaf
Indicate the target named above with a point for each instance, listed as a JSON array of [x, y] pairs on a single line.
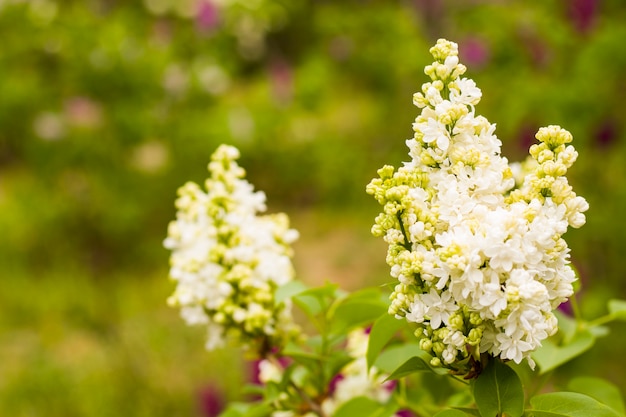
[[568, 404], [235, 410], [499, 390], [601, 390], [360, 406], [358, 309], [394, 356], [599, 331], [450, 413], [316, 300], [382, 331], [289, 290], [413, 365], [460, 400], [238, 409], [259, 410], [469, 411], [617, 308], [299, 355], [550, 356]]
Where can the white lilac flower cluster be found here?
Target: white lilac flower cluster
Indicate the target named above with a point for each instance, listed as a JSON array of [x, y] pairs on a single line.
[[228, 260], [480, 260]]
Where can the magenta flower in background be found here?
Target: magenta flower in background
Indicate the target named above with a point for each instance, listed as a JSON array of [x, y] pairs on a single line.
[[582, 14], [606, 134], [526, 135], [207, 17], [332, 386], [281, 76], [211, 401], [83, 112], [475, 52]]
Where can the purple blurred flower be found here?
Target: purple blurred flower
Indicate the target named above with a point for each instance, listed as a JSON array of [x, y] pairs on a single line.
[[254, 372], [606, 134], [566, 308], [332, 386], [405, 413], [207, 17], [526, 136], [475, 52], [582, 13], [83, 112], [211, 401], [281, 76], [390, 385]]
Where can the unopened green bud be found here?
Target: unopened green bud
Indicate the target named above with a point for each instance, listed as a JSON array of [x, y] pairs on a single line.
[[426, 344]]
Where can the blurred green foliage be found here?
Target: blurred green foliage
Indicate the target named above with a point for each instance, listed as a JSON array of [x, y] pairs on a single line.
[[108, 106]]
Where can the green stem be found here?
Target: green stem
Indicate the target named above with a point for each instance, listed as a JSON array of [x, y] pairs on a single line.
[[600, 321], [576, 308], [407, 243], [460, 379], [404, 404]]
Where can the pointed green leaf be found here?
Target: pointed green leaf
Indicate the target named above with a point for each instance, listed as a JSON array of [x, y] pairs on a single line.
[[498, 390], [246, 410], [359, 406], [289, 290], [357, 309], [599, 331], [413, 365], [469, 411], [600, 389], [316, 300], [550, 356], [394, 356], [259, 410], [460, 400], [450, 413], [568, 404], [299, 355], [617, 308], [382, 331], [235, 409]]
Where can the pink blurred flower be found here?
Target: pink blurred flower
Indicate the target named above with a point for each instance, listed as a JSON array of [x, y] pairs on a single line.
[[606, 134], [332, 386], [207, 17], [474, 52], [281, 76], [582, 14], [83, 112], [211, 401], [526, 136]]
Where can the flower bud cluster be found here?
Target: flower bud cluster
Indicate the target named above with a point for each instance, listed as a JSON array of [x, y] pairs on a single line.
[[228, 260], [479, 260]]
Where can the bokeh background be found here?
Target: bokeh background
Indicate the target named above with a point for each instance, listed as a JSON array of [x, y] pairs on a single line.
[[106, 107]]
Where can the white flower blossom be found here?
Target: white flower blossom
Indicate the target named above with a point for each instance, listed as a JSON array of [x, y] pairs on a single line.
[[475, 242], [228, 260]]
